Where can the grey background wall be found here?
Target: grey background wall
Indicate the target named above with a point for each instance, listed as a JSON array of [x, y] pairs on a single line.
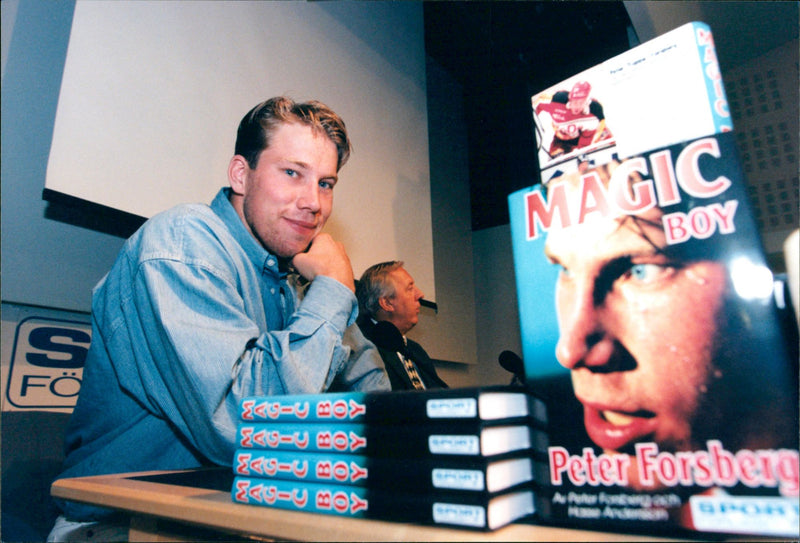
[[44, 262], [50, 263]]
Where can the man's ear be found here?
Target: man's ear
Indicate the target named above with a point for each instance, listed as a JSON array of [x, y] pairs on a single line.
[[386, 304], [237, 174]]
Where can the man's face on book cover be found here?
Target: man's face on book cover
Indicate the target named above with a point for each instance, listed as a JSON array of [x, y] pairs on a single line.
[[638, 330]]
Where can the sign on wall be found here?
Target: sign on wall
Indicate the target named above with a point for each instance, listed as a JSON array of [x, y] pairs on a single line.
[[43, 353]]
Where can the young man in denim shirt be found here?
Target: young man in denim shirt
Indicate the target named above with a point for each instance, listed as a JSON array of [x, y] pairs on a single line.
[[202, 307]]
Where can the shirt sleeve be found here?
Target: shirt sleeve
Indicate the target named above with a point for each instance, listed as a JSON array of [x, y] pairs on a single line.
[[201, 352], [360, 372], [323, 349]]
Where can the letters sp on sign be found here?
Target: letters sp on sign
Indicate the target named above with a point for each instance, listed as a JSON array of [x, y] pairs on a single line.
[[47, 362]]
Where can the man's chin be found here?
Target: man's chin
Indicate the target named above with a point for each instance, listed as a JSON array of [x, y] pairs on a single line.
[[288, 252]]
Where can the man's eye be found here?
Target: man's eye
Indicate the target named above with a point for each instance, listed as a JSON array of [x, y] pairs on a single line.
[[326, 185], [646, 272], [291, 173]]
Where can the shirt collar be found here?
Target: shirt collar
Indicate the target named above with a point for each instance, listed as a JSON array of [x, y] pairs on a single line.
[[405, 341], [260, 257]]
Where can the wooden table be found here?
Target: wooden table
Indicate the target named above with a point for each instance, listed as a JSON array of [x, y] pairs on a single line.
[[174, 512]]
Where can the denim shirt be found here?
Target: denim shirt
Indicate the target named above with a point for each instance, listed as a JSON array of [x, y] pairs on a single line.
[[193, 316]]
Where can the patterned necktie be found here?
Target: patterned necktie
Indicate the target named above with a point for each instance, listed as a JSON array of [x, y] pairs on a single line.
[[411, 370]]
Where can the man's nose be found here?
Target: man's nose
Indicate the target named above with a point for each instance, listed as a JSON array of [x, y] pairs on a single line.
[[583, 339], [308, 197]]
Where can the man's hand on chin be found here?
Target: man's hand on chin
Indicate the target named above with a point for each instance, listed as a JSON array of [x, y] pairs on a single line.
[[325, 256]]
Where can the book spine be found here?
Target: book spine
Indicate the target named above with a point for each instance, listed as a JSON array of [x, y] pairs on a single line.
[[350, 438], [389, 440], [463, 510], [301, 466], [333, 407], [418, 474], [717, 99], [301, 496], [392, 408]]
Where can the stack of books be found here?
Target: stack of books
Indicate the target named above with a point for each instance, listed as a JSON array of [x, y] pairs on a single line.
[[458, 457]]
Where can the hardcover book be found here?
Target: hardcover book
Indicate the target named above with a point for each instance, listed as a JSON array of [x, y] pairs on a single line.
[[469, 438], [645, 301], [478, 403], [476, 510], [418, 475]]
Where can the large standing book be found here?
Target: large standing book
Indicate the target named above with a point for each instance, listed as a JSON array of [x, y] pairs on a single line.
[[645, 304], [476, 510], [411, 474]]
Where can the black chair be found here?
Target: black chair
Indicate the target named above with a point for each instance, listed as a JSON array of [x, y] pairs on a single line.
[[30, 458]]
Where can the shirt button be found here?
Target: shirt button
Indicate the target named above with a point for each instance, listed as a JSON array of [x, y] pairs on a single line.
[[270, 262], [272, 290]]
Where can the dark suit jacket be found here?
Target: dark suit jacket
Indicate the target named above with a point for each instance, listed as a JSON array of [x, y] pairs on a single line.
[[389, 342]]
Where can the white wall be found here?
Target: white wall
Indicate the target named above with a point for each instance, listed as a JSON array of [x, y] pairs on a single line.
[[474, 270], [497, 314], [452, 328]]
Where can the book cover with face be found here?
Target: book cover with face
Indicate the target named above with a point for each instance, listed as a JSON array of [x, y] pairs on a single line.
[[646, 304]]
